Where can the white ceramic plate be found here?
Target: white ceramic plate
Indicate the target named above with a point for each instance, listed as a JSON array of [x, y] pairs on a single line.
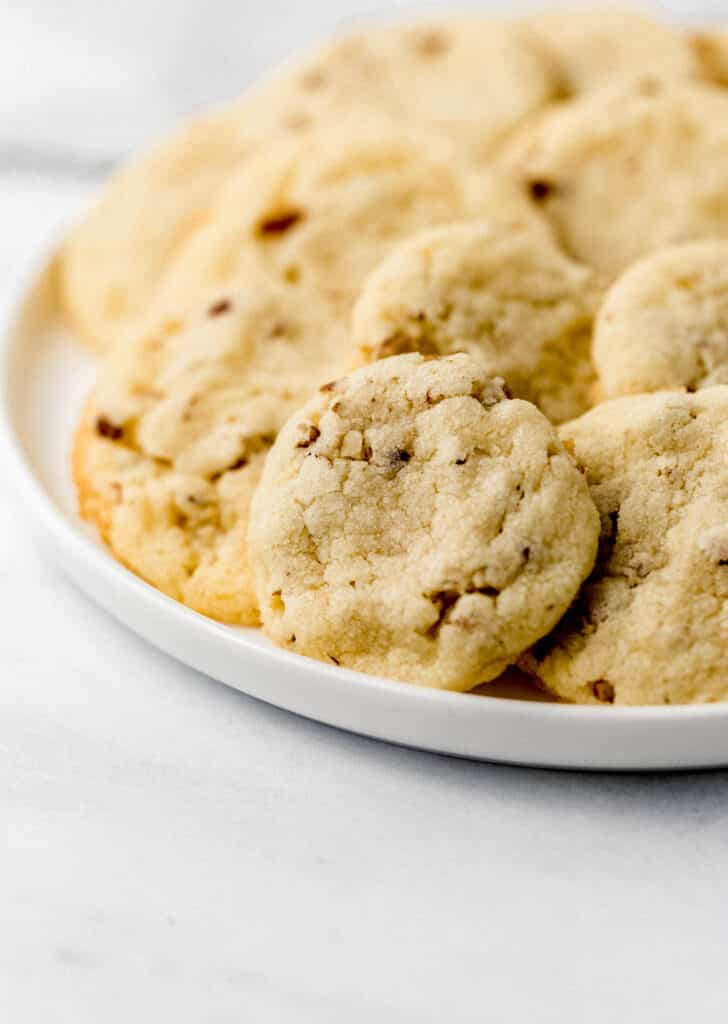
[[44, 376]]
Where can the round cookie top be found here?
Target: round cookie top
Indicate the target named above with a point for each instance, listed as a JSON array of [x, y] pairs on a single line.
[[629, 168], [113, 261], [322, 213], [664, 323], [469, 79], [175, 436], [590, 47], [500, 290], [650, 625], [414, 522]]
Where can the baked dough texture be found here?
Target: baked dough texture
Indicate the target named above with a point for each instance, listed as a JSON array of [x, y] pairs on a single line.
[[254, 320], [650, 625], [470, 79], [173, 440], [664, 323], [629, 168], [413, 521], [501, 291], [588, 48], [323, 212]]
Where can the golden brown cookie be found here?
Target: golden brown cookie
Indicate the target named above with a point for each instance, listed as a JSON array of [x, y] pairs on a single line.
[[499, 290], [412, 521], [664, 322], [629, 168], [470, 79], [650, 625]]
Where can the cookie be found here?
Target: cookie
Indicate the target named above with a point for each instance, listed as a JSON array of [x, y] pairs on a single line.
[[629, 168], [322, 213], [589, 47], [664, 323], [113, 262], [471, 79], [414, 522], [499, 290], [468, 78], [248, 328], [650, 625], [175, 435]]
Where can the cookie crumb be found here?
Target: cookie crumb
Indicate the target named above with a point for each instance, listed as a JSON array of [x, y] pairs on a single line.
[[399, 456], [541, 189], [220, 307], [309, 434], [105, 428], [432, 44], [603, 691], [313, 79], [278, 223]]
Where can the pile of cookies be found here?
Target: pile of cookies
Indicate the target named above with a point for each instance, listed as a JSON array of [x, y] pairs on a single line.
[[418, 357]]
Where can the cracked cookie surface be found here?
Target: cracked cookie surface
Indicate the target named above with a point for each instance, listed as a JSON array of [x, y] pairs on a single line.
[[412, 521], [664, 322], [650, 625], [499, 290], [629, 168], [254, 321], [175, 435]]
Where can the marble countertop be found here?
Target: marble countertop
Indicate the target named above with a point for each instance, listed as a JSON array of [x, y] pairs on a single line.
[[171, 850]]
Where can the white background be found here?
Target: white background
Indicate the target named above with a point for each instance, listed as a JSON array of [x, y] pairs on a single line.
[[173, 851]]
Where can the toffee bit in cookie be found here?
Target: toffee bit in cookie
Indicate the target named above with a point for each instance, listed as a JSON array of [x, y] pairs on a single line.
[[603, 691], [220, 307], [308, 434], [238, 464], [541, 190], [461, 462], [313, 79], [330, 386], [278, 223], [399, 456], [297, 122], [335, 660], [432, 44], [105, 428], [650, 87], [443, 601], [278, 330]]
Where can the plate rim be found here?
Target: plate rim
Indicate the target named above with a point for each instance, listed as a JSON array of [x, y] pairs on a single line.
[[70, 544]]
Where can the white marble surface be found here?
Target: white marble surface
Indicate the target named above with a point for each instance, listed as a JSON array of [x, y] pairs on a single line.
[[173, 851]]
